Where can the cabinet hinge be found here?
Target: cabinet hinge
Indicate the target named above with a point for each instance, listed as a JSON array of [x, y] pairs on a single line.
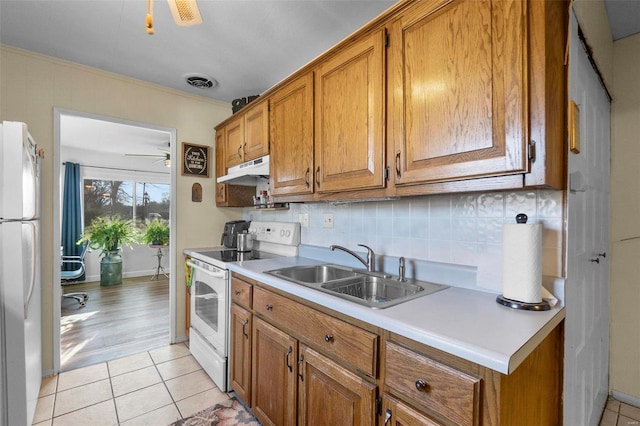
[[532, 151], [378, 406], [387, 173]]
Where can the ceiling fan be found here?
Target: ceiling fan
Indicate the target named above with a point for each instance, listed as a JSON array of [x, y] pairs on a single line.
[[185, 13], [165, 156]]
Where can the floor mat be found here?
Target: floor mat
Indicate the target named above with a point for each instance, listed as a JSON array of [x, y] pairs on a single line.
[[228, 413]]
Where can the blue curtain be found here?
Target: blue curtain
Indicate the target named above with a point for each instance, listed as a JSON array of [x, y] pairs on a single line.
[[71, 213]]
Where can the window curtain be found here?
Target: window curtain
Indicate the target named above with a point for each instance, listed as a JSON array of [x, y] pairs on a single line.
[[71, 214]]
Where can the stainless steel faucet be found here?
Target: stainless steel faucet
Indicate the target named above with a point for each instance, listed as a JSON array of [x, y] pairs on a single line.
[[370, 263], [401, 270]]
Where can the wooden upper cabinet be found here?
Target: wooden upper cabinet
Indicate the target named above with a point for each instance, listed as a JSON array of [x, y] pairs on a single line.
[[256, 131], [247, 136], [457, 89], [349, 117], [291, 125], [234, 136], [221, 170]]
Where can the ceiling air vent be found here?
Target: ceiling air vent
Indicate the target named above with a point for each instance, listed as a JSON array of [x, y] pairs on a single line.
[[200, 81]]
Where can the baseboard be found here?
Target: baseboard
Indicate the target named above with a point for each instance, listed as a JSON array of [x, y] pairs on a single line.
[[627, 399]]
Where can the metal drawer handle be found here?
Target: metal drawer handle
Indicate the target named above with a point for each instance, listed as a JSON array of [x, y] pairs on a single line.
[[387, 416], [328, 338], [239, 148], [300, 375], [238, 292], [288, 364], [318, 177], [244, 324], [596, 260], [421, 385], [269, 307], [306, 177], [398, 163]]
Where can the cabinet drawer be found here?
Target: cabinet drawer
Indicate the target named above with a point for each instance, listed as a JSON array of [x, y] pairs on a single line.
[[241, 292], [353, 345], [439, 388]]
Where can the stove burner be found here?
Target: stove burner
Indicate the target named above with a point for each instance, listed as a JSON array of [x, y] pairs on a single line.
[[223, 255]]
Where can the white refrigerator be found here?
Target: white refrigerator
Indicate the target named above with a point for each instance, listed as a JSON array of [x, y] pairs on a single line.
[[20, 276]]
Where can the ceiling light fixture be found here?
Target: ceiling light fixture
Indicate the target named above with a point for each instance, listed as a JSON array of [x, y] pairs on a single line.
[[185, 13]]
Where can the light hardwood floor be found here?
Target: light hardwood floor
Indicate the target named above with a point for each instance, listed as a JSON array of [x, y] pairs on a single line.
[[117, 321]]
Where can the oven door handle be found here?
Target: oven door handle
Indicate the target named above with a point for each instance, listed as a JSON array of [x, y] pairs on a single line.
[[220, 274]]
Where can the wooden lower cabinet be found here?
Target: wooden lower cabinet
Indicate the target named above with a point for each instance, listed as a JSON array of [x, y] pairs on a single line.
[[273, 396], [241, 331], [298, 378], [329, 394], [395, 413]]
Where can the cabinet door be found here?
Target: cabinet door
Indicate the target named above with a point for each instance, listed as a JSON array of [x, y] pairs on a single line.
[[256, 131], [241, 323], [234, 136], [291, 119], [221, 169], [331, 395], [273, 386], [457, 89], [395, 413], [349, 114]]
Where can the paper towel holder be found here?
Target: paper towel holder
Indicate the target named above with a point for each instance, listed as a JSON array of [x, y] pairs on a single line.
[[516, 304], [522, 218]]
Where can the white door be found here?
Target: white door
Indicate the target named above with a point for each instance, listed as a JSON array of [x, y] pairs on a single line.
[[587, 287]]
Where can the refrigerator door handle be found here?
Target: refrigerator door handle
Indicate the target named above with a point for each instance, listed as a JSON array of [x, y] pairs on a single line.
[[32, 283]]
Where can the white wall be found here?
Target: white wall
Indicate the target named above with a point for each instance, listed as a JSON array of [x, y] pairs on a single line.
[[463, 229], [32, 85], [625, 225]]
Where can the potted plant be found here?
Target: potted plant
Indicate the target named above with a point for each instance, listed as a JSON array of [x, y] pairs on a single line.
[[109, 235], [156, 233]]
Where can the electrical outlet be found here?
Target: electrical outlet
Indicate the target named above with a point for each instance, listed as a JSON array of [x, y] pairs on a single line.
[[303, 218], [327, 220]]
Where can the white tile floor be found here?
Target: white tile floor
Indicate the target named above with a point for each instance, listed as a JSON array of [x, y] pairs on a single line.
[[155, 388], [618, 413]]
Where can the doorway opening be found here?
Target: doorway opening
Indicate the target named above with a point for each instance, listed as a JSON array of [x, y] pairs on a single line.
[[134, 160]]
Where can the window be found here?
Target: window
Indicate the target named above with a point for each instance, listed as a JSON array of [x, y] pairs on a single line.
[[152, 202], [139, 201], [107, 198]]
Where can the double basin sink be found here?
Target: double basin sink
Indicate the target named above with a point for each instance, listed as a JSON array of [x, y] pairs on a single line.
[[372, 289]]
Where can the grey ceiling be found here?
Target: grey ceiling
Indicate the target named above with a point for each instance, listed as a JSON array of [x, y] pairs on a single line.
[[247, 46], [624, 17]]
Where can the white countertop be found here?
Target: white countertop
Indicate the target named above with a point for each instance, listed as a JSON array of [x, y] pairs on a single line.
[[465, 323]]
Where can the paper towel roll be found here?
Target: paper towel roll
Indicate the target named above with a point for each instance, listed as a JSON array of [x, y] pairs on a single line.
[[522, 262]]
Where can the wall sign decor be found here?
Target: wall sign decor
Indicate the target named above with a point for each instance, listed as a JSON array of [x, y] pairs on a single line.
[[195, 160], [196, 193]]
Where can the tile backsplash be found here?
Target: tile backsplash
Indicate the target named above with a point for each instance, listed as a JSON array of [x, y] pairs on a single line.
[[463, 229]]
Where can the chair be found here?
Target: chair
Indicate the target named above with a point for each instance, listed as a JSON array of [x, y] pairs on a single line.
[[77, 272]]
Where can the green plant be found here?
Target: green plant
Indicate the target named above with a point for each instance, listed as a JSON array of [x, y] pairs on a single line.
[[110, 234], [157, 232]]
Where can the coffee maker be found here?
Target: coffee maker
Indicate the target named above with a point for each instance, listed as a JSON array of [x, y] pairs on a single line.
[[231, 230]]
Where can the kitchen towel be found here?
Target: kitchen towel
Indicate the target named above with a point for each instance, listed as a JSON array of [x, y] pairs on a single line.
[[522, 262]]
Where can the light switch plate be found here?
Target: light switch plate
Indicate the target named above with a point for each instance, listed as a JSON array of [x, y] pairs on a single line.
[[303, 218], [327, 220]]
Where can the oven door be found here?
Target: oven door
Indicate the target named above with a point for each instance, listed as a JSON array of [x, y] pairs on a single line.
[[210, 304]]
